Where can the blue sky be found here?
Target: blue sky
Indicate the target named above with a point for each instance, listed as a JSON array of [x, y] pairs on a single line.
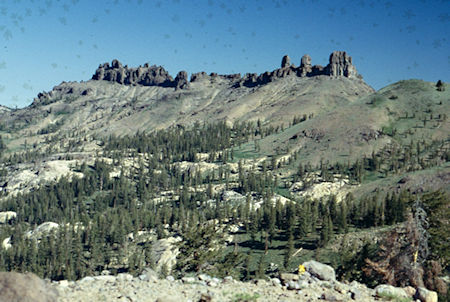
[[43, 43]]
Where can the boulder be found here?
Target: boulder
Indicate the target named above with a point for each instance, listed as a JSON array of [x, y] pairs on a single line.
[[389, 290], [426, 295], [16, 287], [42, 230], [319, 270], [410, 291], [288, 277], [7, 216], [165, 253], [187, 279]]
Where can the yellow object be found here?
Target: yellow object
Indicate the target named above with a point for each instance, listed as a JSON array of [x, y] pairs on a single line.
[[301, 269], [415, 256]]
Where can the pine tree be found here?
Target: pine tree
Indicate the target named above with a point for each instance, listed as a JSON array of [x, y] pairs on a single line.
[[260, 273], [289, 250]]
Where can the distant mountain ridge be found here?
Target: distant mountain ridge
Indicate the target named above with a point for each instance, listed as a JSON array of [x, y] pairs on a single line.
[[340, 64]]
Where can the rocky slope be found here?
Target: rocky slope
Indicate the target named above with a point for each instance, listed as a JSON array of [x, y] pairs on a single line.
[[314, 282]]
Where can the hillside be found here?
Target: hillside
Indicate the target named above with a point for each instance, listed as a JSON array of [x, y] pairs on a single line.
[[230, 176]]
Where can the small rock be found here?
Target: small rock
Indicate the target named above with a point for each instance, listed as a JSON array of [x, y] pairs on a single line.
[[410, 291], [228, 279], [205, 298], [124, 277], [170, 278], [188, 279], [261, 282], [328, 297], [286, 277], [303, 283], [212, 283], [276, 282], [356, 294], [426, 295], [292, 285], [204, 277], [63, 283]]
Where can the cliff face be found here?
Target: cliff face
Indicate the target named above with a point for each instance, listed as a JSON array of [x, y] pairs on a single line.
[[340, 65]]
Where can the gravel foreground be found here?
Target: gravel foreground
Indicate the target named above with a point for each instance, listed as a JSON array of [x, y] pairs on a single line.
[[126, 288], [314, 282]]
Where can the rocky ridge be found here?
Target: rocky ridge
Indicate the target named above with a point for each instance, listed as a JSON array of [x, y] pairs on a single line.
[[340, 64]]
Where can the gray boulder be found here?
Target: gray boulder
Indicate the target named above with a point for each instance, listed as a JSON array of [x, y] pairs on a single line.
[[319, 270], [389, 290], [288, 277], [16, 287], [426, 295]]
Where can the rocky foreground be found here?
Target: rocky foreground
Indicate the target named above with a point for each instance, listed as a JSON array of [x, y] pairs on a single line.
[[316, 283]]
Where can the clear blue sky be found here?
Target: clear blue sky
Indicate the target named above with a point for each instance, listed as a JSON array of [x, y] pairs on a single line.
[[43, 43]]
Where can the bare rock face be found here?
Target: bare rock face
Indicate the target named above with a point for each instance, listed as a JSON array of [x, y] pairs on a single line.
[[198, 76], [15, 287], [305, 66], [181, 80], [341, 65], [285, 62], [143, 75]]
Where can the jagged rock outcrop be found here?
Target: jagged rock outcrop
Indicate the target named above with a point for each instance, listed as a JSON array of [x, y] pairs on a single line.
[[143, 75], [305, 66], [285, 62], [341, 65], [181, 80], [199, 76]]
